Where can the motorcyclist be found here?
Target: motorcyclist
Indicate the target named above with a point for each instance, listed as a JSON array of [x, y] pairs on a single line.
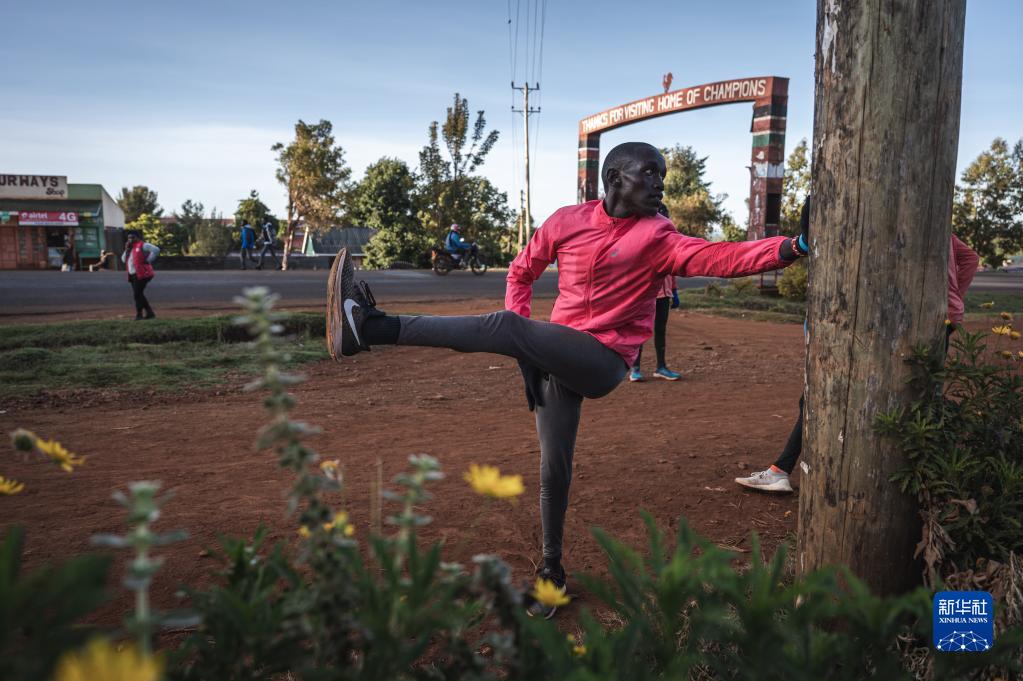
[[456, 245]]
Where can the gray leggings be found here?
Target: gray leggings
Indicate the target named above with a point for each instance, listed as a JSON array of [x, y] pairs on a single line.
[[577, 366]]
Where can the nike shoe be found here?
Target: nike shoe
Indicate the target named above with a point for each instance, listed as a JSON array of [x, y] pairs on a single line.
[[667, 374], [537, 609], [349, 304], [767, 481], [636, 376]]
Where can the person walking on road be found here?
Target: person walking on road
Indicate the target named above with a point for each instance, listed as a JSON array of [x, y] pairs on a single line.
[[139, 256], [667, 299], [269, 238], [248, 244]]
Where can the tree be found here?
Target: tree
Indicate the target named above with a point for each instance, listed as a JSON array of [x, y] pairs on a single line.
[[189, 218], [384, 201], [732, 231], [988, 209], [213, 237], [138, 200], [254, 212], [313, 170], [886, 127], [444, 190], [164, 237], [797, 186], [693, 209]]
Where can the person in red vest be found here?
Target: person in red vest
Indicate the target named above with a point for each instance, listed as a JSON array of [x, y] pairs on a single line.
[[138, 257]]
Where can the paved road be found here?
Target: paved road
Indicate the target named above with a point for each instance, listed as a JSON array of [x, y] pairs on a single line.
[[82, 293]]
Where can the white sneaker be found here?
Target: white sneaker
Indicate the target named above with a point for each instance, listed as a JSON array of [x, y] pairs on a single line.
[[767, 481]]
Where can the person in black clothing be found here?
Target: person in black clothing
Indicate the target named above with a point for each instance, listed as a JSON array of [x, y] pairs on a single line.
[[269, 238]]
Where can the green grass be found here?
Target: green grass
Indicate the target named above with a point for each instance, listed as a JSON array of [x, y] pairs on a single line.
[[163, 354], [726, 301]]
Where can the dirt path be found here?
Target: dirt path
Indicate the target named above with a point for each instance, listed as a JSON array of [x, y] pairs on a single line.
[[669, 448]]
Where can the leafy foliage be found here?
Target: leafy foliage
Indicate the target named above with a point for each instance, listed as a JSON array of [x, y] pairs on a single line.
[[138, 200], [168, 238], [987, 212], [212, 237], [796, 188], [448, 192], [41, 611], [385, 201], [252, 210], [694, 210], [792, 283], [964, 441]]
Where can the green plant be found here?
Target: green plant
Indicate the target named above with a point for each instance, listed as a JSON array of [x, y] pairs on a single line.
[[143, 506], [41, 611], [964, 441], [792, 283]]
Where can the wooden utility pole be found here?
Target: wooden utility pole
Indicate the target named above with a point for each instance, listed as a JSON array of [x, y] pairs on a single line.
[[886, 128], [526, 111]]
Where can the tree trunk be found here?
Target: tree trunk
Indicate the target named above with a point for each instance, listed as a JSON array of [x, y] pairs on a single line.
[[289, 235], [886, 128]]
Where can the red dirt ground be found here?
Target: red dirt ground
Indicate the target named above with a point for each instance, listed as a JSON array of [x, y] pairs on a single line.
[[669, 448]]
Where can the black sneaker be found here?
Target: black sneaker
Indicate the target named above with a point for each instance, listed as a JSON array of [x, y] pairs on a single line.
[[349, 304], [537, 609]]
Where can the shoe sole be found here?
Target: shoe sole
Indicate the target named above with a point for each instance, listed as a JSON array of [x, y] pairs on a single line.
[[636, 380], [666, 378], [776, 487], [340, 286]]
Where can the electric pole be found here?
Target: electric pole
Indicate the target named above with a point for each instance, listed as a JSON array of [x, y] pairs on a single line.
[[527, 229]]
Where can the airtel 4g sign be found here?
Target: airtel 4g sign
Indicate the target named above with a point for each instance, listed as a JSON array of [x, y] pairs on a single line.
[[33, 186]]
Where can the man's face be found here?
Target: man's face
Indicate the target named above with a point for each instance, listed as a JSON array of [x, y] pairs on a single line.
[[642, 182]]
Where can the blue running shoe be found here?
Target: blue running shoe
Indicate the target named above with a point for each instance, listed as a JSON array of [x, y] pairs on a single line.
[[667, 374], [636, 376]]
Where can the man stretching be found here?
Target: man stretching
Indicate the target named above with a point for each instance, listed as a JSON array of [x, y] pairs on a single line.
[[613, 254]]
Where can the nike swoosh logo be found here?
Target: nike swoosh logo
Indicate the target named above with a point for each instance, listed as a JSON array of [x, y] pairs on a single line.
[[349, 304]]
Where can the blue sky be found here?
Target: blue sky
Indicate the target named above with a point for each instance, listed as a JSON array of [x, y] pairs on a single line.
[[187, 97]]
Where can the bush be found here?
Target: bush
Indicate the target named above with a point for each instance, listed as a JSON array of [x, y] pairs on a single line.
[[964, 441], [792, 283]]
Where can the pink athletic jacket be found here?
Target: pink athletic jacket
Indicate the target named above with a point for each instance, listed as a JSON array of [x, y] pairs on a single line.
[[962, 265], [610, 270]]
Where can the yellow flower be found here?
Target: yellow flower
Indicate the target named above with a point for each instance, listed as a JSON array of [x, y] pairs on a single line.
[[1006, 354], [9, 487], [988, 306], [577, 648], [1021, 354], [349, 530], [1014, 335], [488, 481], [948, 322], [304, 532], [1002, 330], [59, 454], [1007, 316], [330, 466], [549, 594], [339, 520], [101, 661]]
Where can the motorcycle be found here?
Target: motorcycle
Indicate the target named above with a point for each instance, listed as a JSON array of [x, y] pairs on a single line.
[[444, 262]]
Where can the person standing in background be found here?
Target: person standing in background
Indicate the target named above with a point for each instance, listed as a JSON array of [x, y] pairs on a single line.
[[269, 238], [248, 243], [139, 256]]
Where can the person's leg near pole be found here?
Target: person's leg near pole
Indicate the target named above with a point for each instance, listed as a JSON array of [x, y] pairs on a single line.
[[776, 477]]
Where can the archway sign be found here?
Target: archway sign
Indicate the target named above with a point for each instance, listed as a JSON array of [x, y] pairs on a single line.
[[770, 96]]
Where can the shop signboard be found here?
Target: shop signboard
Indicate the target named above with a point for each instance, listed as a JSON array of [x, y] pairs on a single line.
[[40, 218], [33, 186]]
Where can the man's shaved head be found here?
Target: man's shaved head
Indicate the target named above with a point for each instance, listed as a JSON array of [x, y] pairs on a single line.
[[620, 156]]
